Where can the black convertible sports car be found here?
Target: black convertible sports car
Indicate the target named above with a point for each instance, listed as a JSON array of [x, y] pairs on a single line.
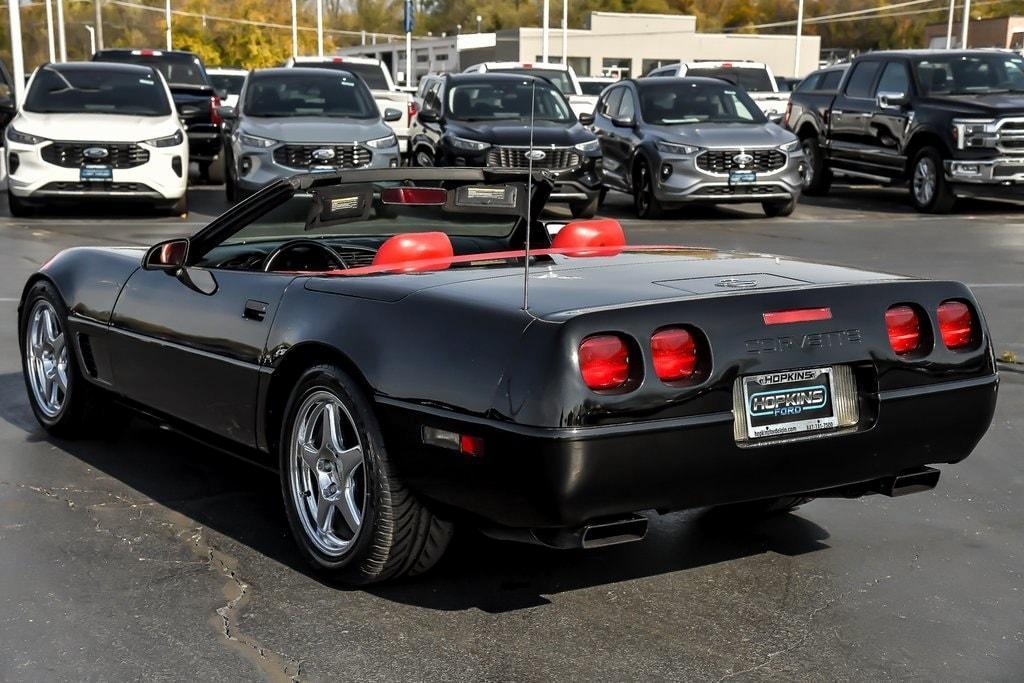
[[366, 333]]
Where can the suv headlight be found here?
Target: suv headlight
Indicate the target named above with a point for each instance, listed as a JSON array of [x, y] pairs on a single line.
[[383, 143], [467, 144], [23, 138], [974, 133], [255, 141], [589, 146], [675, 148], [790, 146], [168, 141]]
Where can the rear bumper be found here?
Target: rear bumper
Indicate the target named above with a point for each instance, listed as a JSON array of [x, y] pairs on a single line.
[[534, 477]]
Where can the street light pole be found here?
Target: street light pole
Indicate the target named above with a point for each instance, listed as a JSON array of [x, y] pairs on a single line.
[[92, 37], [99, 24], [565, 31], [167, 21], [17, 57], [546, 31], [799, 35], [967, 21], [295, 30], [320, 28], [49, 31], [949, 25], [62, 43]]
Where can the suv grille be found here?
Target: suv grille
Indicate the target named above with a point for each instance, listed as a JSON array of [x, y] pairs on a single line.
[[301, 156], [722, 161], [119, 154], [515, 157]]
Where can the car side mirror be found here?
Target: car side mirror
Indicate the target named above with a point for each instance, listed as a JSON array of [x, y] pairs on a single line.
[[892, 100], [586, 119], [169, 255], [392, 115], [222, 93], [623, 121], [428, 116], [227, 113]]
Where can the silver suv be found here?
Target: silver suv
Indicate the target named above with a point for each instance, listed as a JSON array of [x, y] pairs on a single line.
[[670, 141]]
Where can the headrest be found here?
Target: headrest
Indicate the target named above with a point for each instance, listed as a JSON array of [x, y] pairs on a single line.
[[434, 247], [583, 235]]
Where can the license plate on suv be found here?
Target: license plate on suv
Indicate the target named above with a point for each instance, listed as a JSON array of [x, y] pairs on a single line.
[[742, 177], [96, 173], [789, 403]]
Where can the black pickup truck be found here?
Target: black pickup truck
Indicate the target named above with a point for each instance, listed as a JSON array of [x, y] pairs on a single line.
[[7, 106], [194, 97], [946, 122]]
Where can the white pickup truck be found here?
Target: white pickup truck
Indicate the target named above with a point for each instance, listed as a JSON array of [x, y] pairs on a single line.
[[754, 77], [562, 76], [378, 80]]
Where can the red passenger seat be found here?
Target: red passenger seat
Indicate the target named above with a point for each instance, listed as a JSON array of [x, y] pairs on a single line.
[[409, 247], [588, 234]]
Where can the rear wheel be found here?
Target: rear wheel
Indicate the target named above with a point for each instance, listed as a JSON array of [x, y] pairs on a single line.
[[350, 513], [929, 190], [646, 204], [817, 176]]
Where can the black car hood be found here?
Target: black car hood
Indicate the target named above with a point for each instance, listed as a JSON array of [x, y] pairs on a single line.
[[517, 132], [996, 104]]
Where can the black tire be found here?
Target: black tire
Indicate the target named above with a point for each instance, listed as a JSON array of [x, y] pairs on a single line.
[[18, 207], [422, 157], [940, 198], [817, 175], [585, 209], [179, 207], [779, 208], [601, 197], [212, 172], [645, 202], [86, 409], [230, 183], [398, 535]]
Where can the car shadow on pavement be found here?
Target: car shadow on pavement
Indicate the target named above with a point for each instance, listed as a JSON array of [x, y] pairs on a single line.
[[242, 501]]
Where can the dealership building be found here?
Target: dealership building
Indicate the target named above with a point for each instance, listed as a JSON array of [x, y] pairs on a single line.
[[614, 43]]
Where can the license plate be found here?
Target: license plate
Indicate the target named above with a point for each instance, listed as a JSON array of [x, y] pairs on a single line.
[[742, 177], [789, 403], [95, 173]]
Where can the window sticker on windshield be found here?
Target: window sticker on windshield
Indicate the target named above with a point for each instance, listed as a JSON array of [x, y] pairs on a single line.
[[730, 92], [143, 81], [347, 82]]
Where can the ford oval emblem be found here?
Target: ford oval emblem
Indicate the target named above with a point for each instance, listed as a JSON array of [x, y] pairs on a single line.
[[535, 155], [323, 154], [736, 283], [95, 153], [742, 159]]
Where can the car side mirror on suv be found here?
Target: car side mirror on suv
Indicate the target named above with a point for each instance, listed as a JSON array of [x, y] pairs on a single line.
[[586, 119], [392, 115], [428, 116], [892, 100], [623, 121], [227, 113]]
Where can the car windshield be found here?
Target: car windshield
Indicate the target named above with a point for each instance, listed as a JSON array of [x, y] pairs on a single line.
[[750, 79], [97, 91], [339, 95], [559, 78], [372, 74], [177, 69], [680, 102], [229, 83], [593, 87], [970, 74], [507, 99]]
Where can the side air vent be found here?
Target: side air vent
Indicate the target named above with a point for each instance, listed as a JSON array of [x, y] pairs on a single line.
[[88, 359]]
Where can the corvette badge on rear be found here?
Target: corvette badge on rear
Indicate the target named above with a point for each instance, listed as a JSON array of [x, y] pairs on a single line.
[[789, 402]]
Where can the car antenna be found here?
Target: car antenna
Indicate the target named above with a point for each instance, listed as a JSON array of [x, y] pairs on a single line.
[[529, 202]]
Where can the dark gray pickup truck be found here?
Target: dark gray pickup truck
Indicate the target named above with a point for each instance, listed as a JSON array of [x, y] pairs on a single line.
[[946, 122]]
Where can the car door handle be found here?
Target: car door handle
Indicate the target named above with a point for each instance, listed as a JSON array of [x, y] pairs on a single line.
[[255, 310]]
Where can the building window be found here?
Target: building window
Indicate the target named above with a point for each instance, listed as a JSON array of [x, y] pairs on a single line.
[[650, 65], [581, 65], [422, 58], [552, 59], [440, 56], [616, 67]]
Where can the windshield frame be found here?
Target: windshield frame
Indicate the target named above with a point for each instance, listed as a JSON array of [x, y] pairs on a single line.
[[166, 109]]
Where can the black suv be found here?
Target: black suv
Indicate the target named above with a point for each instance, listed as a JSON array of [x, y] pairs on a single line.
[[194, 97], [948, 122], [482, 119]]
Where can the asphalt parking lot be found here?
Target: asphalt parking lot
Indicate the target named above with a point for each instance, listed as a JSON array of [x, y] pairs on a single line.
[[148, 556]]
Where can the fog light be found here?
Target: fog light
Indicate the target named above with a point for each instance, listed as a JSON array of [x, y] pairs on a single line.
[[245, 165], [394, 162], [453, 441], [176, 166], [666, 171], [12, 163], [966, 170]]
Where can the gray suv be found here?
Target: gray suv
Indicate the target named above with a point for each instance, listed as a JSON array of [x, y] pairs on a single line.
[[670, 141], [292, 121]]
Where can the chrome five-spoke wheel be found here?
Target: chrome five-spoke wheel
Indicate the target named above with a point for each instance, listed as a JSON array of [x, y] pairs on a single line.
[[47, 359], [327, 473]]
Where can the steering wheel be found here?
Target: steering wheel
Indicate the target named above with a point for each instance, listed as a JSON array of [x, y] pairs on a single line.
[[332, 256]]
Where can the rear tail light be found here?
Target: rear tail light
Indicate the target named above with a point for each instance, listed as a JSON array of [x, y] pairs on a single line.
[[604, 361], [411, 110], [214, 114], [956, 324], [675, 354], [904, 326]]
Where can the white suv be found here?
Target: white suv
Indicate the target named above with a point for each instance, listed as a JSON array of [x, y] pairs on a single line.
[[378, 80], [754, 77], [562, 76], [95, 129]]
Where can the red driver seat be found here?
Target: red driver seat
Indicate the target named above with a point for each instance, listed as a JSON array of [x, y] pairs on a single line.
[[588, 234], [433, 247]]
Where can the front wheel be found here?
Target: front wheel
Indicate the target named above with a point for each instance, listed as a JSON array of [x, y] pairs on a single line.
[[350, 513], [778, 209], [586, 208], [930, 192], [645, 202], [423, 157]]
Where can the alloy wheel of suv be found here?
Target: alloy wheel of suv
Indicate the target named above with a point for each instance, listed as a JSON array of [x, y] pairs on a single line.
[[929, 189], [817, 178], [644, 201]]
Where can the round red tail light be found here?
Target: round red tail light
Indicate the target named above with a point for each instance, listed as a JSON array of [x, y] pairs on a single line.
[[904, 326], [956, 324], [675, 354], [604, 361]]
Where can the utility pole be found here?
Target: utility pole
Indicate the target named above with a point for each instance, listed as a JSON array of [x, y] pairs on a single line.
[[167, 20], [408, 43], [799, 36], [949, 25], [546, 31], [99, 24], [92, 37], [565, 32], [320, 28], [967, 21], [295, 30], [49, 31], [17, 57], [61, 41]]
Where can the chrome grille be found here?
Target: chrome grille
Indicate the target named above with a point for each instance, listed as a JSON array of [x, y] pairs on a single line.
[[1010, 137], [556, 158], [72, 154], [301, 156], [722, 161]]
